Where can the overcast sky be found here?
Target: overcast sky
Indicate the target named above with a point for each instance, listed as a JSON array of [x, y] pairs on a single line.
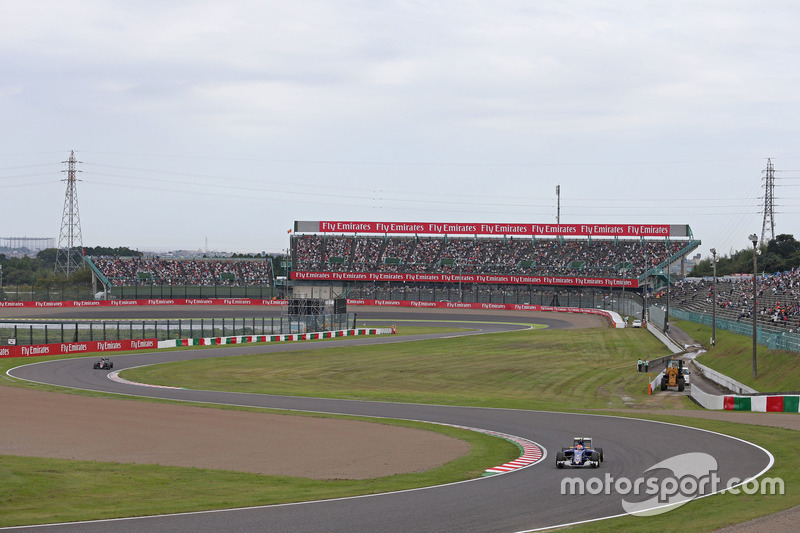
[[208, 124]]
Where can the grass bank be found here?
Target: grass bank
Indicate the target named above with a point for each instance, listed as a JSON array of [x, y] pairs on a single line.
[[778, 371]]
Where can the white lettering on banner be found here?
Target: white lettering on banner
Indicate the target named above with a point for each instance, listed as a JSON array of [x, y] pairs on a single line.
[[35, 350], [160, 302], [345, 226], [460, 228], [393, 227], [633, 230], [200, 302], [422, 304], [547, 229], [311, 275], [648, 230], [470, 278], [85, 303], [136, 344], [5, 351], [387, 302], [502, 229], [48, 304], [69, 348], [12, 304], [124, 302], [103, 346]]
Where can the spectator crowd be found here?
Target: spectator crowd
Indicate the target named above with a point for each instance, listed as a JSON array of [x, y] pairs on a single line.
[[204, 272], [777, 297], [547, 257]]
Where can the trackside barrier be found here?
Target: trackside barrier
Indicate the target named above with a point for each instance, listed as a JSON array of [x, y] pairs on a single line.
[[66, 348], [660, 335], [763, 404], [708, 401], [725, 381], [779, 403], [247, 339], [656, 383], [141, 303]]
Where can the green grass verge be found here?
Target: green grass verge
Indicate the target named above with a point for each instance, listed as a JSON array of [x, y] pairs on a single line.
[[778, 370], [526, 369]]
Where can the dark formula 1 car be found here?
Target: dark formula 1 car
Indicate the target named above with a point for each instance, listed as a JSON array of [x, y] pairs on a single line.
[[104, 363], [581, 453]]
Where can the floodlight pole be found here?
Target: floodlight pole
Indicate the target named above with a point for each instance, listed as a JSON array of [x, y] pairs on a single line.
[[714, 301], [754, 239]]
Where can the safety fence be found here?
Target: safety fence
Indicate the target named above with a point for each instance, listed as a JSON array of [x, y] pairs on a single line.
[[30, 332]]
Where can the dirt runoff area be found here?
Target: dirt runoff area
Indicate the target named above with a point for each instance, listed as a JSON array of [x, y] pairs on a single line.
[[67, 426]]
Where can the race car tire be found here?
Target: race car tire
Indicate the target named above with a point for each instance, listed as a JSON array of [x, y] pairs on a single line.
[[599, 453], [559, 458]]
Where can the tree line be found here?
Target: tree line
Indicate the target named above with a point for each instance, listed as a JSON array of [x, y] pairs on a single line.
[[779, 255]]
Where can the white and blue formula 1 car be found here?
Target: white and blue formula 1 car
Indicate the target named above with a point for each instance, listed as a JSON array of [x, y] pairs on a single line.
[[581, 453]]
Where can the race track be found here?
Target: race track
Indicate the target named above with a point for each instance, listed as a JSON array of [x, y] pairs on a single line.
[[523, 500]]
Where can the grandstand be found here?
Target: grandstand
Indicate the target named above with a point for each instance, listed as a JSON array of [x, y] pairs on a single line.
[[509, 263], [135, 277], [349, 255], [778, 300]]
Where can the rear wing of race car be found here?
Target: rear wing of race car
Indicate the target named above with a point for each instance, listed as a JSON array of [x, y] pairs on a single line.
[[585, 441]]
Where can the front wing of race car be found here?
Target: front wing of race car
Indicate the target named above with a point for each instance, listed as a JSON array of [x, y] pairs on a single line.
[[569, 458]]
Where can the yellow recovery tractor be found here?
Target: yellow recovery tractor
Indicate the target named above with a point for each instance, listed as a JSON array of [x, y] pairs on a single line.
[[673, 375]]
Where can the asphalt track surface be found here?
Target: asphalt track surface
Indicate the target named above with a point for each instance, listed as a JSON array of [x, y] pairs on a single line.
[[523, 500]]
